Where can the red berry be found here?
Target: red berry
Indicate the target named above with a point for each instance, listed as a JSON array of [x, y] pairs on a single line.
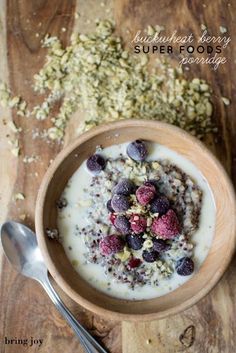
[[138, 223], [134, 262], [166, 226], [112, 218], [111, 244], [145, 193], [135, 241]]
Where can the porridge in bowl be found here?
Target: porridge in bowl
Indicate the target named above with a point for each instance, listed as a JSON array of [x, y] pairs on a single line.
[[136, 220]]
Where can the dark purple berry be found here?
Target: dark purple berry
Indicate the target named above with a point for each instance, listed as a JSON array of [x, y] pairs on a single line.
[[95, 163], [109, 207], [122, 224], [135, 241], [124, 187], [150, 255], [137, 150], [160, 245], [160, 205], [185, 266], [120, 203]]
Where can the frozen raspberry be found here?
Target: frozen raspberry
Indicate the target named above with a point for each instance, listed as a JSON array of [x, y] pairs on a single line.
[[134, 262], [145, 193], [112, 218], [135, 241], [150, 255], [96, 163], [160, 205], [111, 244], [124, 187], [122, 224], [120, 203], [138, 223], [160, 245], [109, 207], [137, 150], [185, 266], [166, 226]]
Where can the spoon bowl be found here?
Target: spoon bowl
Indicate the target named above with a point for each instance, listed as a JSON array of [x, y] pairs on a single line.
[[21, 248]]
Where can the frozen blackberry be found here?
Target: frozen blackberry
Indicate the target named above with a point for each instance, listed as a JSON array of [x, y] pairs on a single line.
[[185, 266], [109, 207], [122, 224], [135, 241], [137, 150], [160, 245], [124, 187], [160, 205], [120, 203], [96, 163], [150, 255]]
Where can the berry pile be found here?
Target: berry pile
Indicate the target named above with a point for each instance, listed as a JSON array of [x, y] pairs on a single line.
[[156, 225]]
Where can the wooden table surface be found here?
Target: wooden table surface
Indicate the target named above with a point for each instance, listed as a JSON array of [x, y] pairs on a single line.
[[26, 311]]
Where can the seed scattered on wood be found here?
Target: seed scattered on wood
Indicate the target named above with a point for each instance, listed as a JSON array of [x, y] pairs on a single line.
[[109, 83], [225, 100], [19, 196], [223, 29]]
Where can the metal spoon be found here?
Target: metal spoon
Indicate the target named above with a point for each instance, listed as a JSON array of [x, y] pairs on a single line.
[[21, 248]]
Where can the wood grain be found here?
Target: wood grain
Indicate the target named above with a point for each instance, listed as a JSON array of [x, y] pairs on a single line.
[[25, 310]]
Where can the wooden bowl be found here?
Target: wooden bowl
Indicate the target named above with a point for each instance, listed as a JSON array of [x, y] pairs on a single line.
[[213, 267]]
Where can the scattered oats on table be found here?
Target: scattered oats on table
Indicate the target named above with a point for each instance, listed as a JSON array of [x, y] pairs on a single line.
[[19, 196], [223, 29], [225, 100], [96, 74]]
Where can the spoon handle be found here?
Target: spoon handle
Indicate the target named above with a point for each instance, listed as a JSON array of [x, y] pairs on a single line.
[[89, 343]]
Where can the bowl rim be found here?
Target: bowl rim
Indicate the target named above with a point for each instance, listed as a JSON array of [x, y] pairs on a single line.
[[41, 237]]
